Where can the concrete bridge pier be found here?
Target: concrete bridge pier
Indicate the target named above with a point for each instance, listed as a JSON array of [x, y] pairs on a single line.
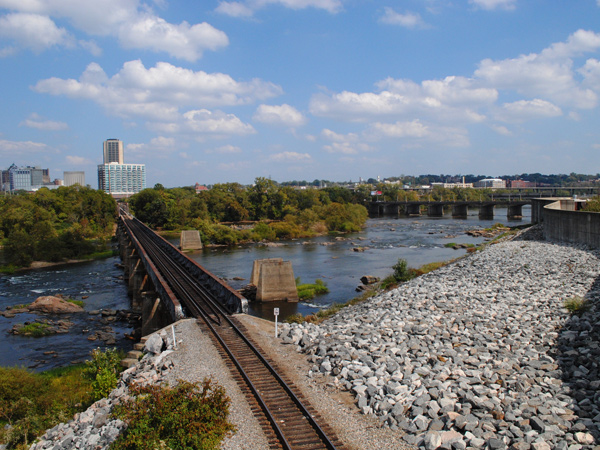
[[486, 212], [459, 211], [435, 210], [154, 314], [514, 212], [413, 209]]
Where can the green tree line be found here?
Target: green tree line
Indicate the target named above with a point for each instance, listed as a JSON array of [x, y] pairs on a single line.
[[53, 225], [276, 211]]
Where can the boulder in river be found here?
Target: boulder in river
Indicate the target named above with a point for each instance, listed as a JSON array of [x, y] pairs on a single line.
[[54, 305]]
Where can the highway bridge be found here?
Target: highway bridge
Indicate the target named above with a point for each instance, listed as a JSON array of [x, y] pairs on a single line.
[[169, 286], [459, 209]]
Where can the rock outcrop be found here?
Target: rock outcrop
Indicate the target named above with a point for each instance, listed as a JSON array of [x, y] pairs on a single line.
[[54, 305]]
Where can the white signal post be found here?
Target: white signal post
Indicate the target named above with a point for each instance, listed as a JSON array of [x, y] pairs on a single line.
[[276, 312]]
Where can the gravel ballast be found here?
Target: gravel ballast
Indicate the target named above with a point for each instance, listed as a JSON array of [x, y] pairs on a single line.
[[478, 354]]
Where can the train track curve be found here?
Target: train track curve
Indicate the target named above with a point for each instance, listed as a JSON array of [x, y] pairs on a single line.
[[289, 422]]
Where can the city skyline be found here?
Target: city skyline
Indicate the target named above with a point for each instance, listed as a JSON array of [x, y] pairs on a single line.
[[225, 91]]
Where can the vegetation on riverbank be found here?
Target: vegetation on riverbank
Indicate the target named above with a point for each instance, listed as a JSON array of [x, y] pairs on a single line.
[[55, 225], [264, 211], [31, 403]]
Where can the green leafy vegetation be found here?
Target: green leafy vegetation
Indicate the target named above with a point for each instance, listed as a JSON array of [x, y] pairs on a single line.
[[577, 305], [274, 211], [308, 291], [592, 205], [31, 403], [55, 225], [36, 329], [181, 417], [103, 371]]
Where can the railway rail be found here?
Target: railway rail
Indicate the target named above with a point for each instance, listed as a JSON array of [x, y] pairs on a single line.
[[289, 422]]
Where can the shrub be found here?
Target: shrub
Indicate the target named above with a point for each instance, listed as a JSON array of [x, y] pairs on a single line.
[[102, 370], [576, 305], [402, 272], [181, 417], [294, 318]]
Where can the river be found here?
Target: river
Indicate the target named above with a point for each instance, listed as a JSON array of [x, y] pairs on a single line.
[[418, 240]]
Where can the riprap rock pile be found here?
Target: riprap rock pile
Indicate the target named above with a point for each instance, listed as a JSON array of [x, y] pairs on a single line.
[[478, 354], [94, 429]]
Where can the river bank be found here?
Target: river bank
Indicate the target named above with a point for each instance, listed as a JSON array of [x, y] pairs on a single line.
[[480, 353]]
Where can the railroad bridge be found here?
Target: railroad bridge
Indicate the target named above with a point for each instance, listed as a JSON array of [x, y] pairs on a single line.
[[168, 286], [460, 209], [148, 260]]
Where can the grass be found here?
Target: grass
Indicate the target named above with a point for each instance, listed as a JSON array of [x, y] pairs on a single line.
[[36, 330], [308, 291], [577, 305], [76, 302]]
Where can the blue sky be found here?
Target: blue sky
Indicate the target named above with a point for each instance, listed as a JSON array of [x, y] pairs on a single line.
[[220, 91]]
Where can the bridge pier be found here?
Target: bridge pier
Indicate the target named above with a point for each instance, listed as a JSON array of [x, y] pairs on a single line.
[[460, 211], [154, 314], [435, 210], [413, 209], [514, 212], [486, 212]]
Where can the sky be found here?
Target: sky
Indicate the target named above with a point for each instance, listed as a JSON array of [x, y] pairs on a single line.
[[228, 91]]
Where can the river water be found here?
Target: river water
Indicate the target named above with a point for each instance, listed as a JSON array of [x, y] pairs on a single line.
[[418, 240]]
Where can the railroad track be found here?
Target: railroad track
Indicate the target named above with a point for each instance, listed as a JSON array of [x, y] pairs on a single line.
[[288, 420]]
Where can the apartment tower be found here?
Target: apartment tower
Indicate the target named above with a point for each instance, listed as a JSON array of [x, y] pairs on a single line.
[[113, 151]]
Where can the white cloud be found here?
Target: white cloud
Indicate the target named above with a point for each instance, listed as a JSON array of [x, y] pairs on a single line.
[[226, 150], [407, 20], [130, 21], [528, 109], [248, 8], [401, 129], [279, 115], [507, 5], [78, 160], [12, 148], [38, 122], [159, 146], [234, 9], [182, 41], [591, 73], [450, 99], [502, 130], [157, 93], [336, 137], [33, 31], [205, 121], [346, 144], [547, 75], [291, 157]]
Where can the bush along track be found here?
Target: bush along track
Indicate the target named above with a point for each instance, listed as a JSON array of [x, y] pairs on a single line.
[[116, 420]]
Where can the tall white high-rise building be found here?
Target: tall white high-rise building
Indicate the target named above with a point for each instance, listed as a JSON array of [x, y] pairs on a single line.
[[113, 151], [117, 178]]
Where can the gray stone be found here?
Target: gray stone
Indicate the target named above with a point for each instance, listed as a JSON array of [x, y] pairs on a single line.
[[432, 440], [154, 344]]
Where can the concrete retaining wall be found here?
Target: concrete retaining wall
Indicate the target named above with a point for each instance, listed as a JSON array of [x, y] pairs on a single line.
[[562, 221]]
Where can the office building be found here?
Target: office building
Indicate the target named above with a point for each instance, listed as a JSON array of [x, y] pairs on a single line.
[[113, 151], [491, 183], [71, 178], [121, 180], [24, 178]]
